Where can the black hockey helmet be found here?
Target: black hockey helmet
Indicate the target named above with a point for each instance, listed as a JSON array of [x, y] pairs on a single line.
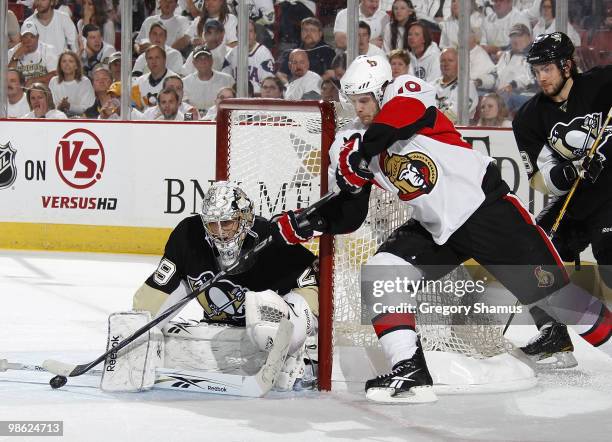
[[547, 48]]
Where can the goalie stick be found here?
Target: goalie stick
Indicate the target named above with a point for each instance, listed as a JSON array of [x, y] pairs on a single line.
[[256, 385], [64, 370]]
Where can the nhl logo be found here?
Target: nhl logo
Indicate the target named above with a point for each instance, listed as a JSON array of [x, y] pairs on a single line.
[[8, 170]]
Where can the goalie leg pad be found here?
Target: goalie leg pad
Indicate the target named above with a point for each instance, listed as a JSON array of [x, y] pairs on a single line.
[[133, 367], [263, 313]]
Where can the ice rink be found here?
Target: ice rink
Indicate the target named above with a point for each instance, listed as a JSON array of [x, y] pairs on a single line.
[[56, 305]]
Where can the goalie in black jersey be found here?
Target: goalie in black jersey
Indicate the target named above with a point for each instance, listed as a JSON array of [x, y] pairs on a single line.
[[554, 131], [280, 279]]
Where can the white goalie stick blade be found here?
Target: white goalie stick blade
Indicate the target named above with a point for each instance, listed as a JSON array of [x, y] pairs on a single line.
[[416, 395], [232, 384]]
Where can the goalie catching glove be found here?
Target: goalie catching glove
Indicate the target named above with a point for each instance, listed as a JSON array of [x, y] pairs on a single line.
[[264, 311], [352, 172]]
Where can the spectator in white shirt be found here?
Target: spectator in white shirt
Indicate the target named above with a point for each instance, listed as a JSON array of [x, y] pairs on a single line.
[[547, 24], [12, 28], [96, 50], [303, 81], [202, 86], [447, 94], [95, 12], [424, 53], [395, 35], [214, 35], [272, 87], [515, 82], [36, 60], [482, 69], [176, 27], [493, 112], [54, 27], [426, 11], [41, 103], [168, 104], [370, 13], [496, 26], [399, 60], [17, 101], [449, 37], [226, 92], [363, 39], [214, 10], [147, 86], [72, 91], [157, 36]]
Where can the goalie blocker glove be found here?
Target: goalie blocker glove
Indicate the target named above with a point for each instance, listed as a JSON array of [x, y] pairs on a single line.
[[352, 172]]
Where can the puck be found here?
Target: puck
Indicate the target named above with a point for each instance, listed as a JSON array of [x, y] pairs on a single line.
[[58, 381]]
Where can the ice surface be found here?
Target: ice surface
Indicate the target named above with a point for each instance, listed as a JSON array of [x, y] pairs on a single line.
[[55, 305]]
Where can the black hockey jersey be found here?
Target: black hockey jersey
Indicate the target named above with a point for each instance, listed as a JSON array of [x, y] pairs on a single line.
[[189, 259], [549, 132]]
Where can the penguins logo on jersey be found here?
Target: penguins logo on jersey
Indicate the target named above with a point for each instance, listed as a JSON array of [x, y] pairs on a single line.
[[8, 170], [223, 302], [573, 140], [414, 174], [545, 279]]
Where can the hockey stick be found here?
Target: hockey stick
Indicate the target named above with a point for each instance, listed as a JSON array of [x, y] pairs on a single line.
[[256, 385], [64, 370], [569, 196]]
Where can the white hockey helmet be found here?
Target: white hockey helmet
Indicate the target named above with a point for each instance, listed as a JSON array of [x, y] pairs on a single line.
[[227, 214], [367, 74]]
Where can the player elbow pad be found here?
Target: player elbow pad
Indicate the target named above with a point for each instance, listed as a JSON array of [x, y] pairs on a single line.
[[563, 175]]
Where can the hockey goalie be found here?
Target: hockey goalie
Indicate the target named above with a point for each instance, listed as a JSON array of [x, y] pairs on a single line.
[[241, 311]]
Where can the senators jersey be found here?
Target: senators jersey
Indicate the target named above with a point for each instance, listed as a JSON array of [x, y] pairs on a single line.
[[189, 261], [548, 133]]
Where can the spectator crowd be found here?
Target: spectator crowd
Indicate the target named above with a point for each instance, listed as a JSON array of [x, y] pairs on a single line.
[[65, 60]]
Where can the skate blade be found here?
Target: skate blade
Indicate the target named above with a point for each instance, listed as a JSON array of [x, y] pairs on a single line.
[[416, 395], [555, 361]]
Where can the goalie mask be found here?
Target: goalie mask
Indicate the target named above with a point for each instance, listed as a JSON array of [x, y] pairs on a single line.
[[227, 214]]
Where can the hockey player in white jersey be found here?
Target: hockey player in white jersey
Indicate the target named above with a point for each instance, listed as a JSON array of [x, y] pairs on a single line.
[[461, 209]]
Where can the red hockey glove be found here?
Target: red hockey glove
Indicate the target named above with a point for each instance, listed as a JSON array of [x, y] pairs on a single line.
[[352, 172], [285, 229]]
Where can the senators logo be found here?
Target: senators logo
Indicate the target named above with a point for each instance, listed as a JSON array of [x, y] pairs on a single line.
[[414, 174]]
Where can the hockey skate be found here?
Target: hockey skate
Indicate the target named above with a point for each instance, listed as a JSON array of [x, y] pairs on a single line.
[[408, 382], [551, 348]]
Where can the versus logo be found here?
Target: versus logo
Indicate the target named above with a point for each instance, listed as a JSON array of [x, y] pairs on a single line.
[[80, 159], [8, 170]]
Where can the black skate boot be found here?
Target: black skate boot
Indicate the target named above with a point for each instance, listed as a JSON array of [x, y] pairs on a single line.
[[552, 347], [408, 382]]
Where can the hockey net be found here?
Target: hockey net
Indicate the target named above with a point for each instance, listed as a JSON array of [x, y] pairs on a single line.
[[278, 152]]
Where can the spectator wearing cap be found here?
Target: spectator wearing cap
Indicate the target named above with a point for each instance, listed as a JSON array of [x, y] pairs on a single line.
[[447, 92], [370, 13], [214, 10], [260, 61], [214, 36], [147, 86], [496, 26], [304, 81], [114, 65], [111, 110], [102, 80], [37, 61], [515, 82], [16, 97], [41, 103], [202, 86], [54, 27], [176, 27], [96, 50], [547, 23], [320, 54], [157, 36]]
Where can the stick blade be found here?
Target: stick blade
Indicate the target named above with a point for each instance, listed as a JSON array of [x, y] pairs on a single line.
[[58, 367]]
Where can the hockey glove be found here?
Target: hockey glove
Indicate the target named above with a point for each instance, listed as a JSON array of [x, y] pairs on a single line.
[[352, 172], [590, 168], [287, 230]]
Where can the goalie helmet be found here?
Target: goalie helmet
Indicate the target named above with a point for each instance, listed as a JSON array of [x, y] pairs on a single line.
[[227, 214], [367, 74]]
